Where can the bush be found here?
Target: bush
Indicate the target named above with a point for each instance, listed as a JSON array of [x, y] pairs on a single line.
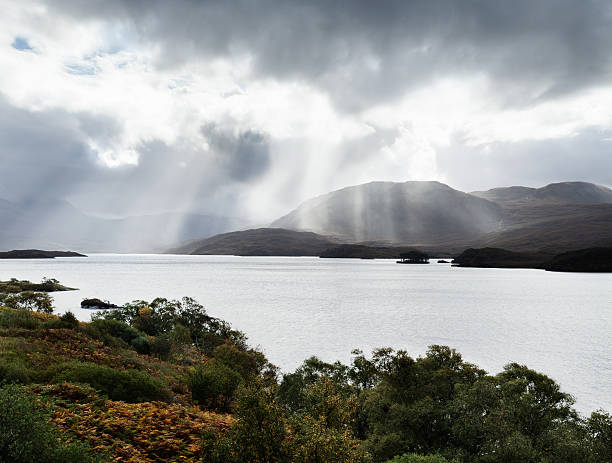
[[213, 385], [69, 320], [161, 346], [11, 318], [258, 434], [117, 333], [14, 371], [29, 300], [141, 344], [26, 434], [243, 362], [125, 385]]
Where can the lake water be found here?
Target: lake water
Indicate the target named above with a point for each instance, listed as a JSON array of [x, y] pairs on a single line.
[[557, 323]]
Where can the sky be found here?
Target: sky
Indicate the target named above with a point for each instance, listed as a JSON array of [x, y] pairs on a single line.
[[245, 108]]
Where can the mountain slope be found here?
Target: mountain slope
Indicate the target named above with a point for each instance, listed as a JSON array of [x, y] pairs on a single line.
[[259, 242], [410, 212], [555, 193]]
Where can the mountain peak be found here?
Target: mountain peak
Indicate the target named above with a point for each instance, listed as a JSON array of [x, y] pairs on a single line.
[[407, 212]]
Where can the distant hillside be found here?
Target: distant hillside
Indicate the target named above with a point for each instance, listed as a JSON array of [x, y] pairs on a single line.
[[259, 242], [553, 228], [410, 213], [500, 258], [582, 260], [58, 225], [558, 217], [564, 192]]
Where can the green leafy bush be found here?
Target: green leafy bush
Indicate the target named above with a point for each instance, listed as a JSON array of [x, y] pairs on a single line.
[[14, 371], [118, 333], [29, 300], [162, 316], [10, 318], [141, 344], [258, 435], [26, 434], [213, 385], [125, 385]]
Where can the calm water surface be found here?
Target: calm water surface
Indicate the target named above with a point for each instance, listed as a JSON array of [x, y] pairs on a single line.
[[557, 323]]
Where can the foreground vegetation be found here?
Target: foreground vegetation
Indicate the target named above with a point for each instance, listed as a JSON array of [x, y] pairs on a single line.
[[164, 381]]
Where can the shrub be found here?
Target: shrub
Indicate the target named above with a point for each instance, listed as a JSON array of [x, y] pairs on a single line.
[[161, 346], [213, 385], [141, 344], [29, 300], [243, 362], [125, 385], [10, 318], [117, 333], [14, 371], [258, 434], [26, 434], [69, 320]]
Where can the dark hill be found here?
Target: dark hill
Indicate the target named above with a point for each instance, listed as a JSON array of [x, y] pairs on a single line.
[[500, 258], [259, 242], [583, 260]]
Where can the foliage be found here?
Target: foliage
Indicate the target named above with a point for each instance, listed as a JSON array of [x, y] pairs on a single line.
[[322, 429], [262, 432], [258, 434], [213, 384], [11, 319], [105, 329], [162, 316], [28, 300], [14, 371], [134, 433], [126, 385], [47, 285], [26, 435]]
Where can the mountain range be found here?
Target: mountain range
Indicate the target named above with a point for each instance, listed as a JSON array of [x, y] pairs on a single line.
[[435, 217], [427, 215]]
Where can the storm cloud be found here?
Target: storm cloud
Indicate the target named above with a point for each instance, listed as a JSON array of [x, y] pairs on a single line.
[[250, 107], [362, 52]]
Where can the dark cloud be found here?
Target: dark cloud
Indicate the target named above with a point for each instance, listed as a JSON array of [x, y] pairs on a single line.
[[244, 156], [45, 154], [362, 52]]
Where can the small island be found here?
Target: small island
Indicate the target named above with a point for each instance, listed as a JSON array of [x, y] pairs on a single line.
[[97, 304], [37, 254], [413, 257]]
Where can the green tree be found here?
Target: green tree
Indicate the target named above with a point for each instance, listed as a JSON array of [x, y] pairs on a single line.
[[258, 435], [213, 385], [27, 435]]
